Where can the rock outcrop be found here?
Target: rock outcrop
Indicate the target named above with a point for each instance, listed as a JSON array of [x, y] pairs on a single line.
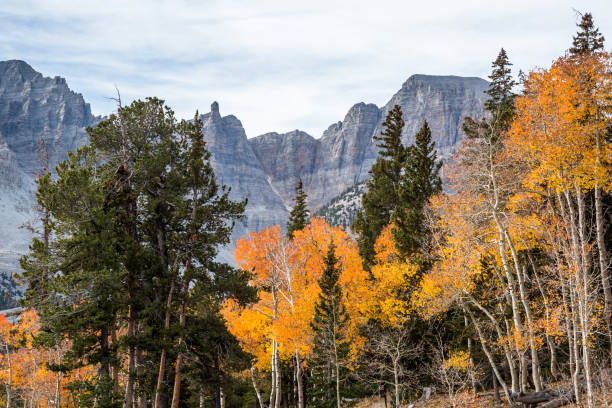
[[237, 167], [32, 108], [346, 151]]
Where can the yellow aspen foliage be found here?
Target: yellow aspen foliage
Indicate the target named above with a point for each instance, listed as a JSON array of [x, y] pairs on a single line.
[[286, 273], [387, 303], [561, 118]]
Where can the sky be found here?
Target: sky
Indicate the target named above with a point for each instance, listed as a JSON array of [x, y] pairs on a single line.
[[279, 65]]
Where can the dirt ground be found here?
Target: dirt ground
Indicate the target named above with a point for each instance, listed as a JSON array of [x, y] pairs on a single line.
[[486, 400]]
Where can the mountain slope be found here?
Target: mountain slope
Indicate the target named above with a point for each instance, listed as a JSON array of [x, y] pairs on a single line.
[[32, 108], [237, 166], [264, 169], [346, 151]]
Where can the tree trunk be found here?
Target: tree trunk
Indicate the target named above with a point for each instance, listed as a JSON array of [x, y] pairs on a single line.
[[584, 304], [483, 344], [58, 382], [162, 359], [9, 385], [142, 398], [279, 391], [396, 384], [257, 392], [603, 263], [178, 373], [300, 383], [129, 389], [495, 387]]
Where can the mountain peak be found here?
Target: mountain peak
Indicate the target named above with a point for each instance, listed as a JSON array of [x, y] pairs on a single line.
[[444, 80], [17, 67], [214, 108]]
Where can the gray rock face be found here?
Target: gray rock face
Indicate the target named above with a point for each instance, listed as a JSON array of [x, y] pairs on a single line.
[[264, 169], [31, 107], [346, 151], [237, 166], [444, 101], [285, 158]]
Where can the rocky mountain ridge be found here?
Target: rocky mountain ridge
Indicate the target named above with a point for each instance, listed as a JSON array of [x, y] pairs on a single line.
[[346, 151], [265, 169], [33, 109]]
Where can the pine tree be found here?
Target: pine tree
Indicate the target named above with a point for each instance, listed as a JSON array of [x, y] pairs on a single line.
[[501, 98], [81, 271], [588, 39], [133, 236], [331, 347], [298, 217], [380, 199], [419, 182], [499, 105]]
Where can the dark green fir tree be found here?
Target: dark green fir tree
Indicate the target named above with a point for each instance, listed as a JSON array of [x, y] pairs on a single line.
[[499, 106], [380, 199], [419, 182], [501, 98], [588, 39], [298, 217], [331, 347], [130, 265]]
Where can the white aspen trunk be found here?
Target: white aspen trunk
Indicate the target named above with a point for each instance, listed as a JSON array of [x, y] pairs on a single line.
[[273, 375], [604, 266], [279, 394], [300, 384], [514, 304], [256, 388], [487, 352], [520, 273], [535, 361], [584, 303], [221, 398], [396, 384]]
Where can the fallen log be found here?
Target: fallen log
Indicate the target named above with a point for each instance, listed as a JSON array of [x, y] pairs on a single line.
[[553, 398]]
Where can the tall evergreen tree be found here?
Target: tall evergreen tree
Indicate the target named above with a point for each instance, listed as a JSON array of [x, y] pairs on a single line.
[[331, 347], [74, 283], [133, 236], [419, 182], [501, 98], [380, 199], [588, 39], [499, 105], [298, 217]]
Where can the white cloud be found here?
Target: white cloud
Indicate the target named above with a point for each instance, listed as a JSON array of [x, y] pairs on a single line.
[[277, 65]]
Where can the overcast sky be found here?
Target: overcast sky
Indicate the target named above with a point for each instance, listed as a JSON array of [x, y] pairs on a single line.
[[279, 65]]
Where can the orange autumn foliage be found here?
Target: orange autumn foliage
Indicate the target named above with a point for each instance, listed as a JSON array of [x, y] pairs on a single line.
[[24, 368], [561, 120], [391, 274], [292, 268]]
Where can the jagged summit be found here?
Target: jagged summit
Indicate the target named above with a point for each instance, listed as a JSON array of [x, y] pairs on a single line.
[[264, 169], [443, 78], [214, 108], [17, 67]]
